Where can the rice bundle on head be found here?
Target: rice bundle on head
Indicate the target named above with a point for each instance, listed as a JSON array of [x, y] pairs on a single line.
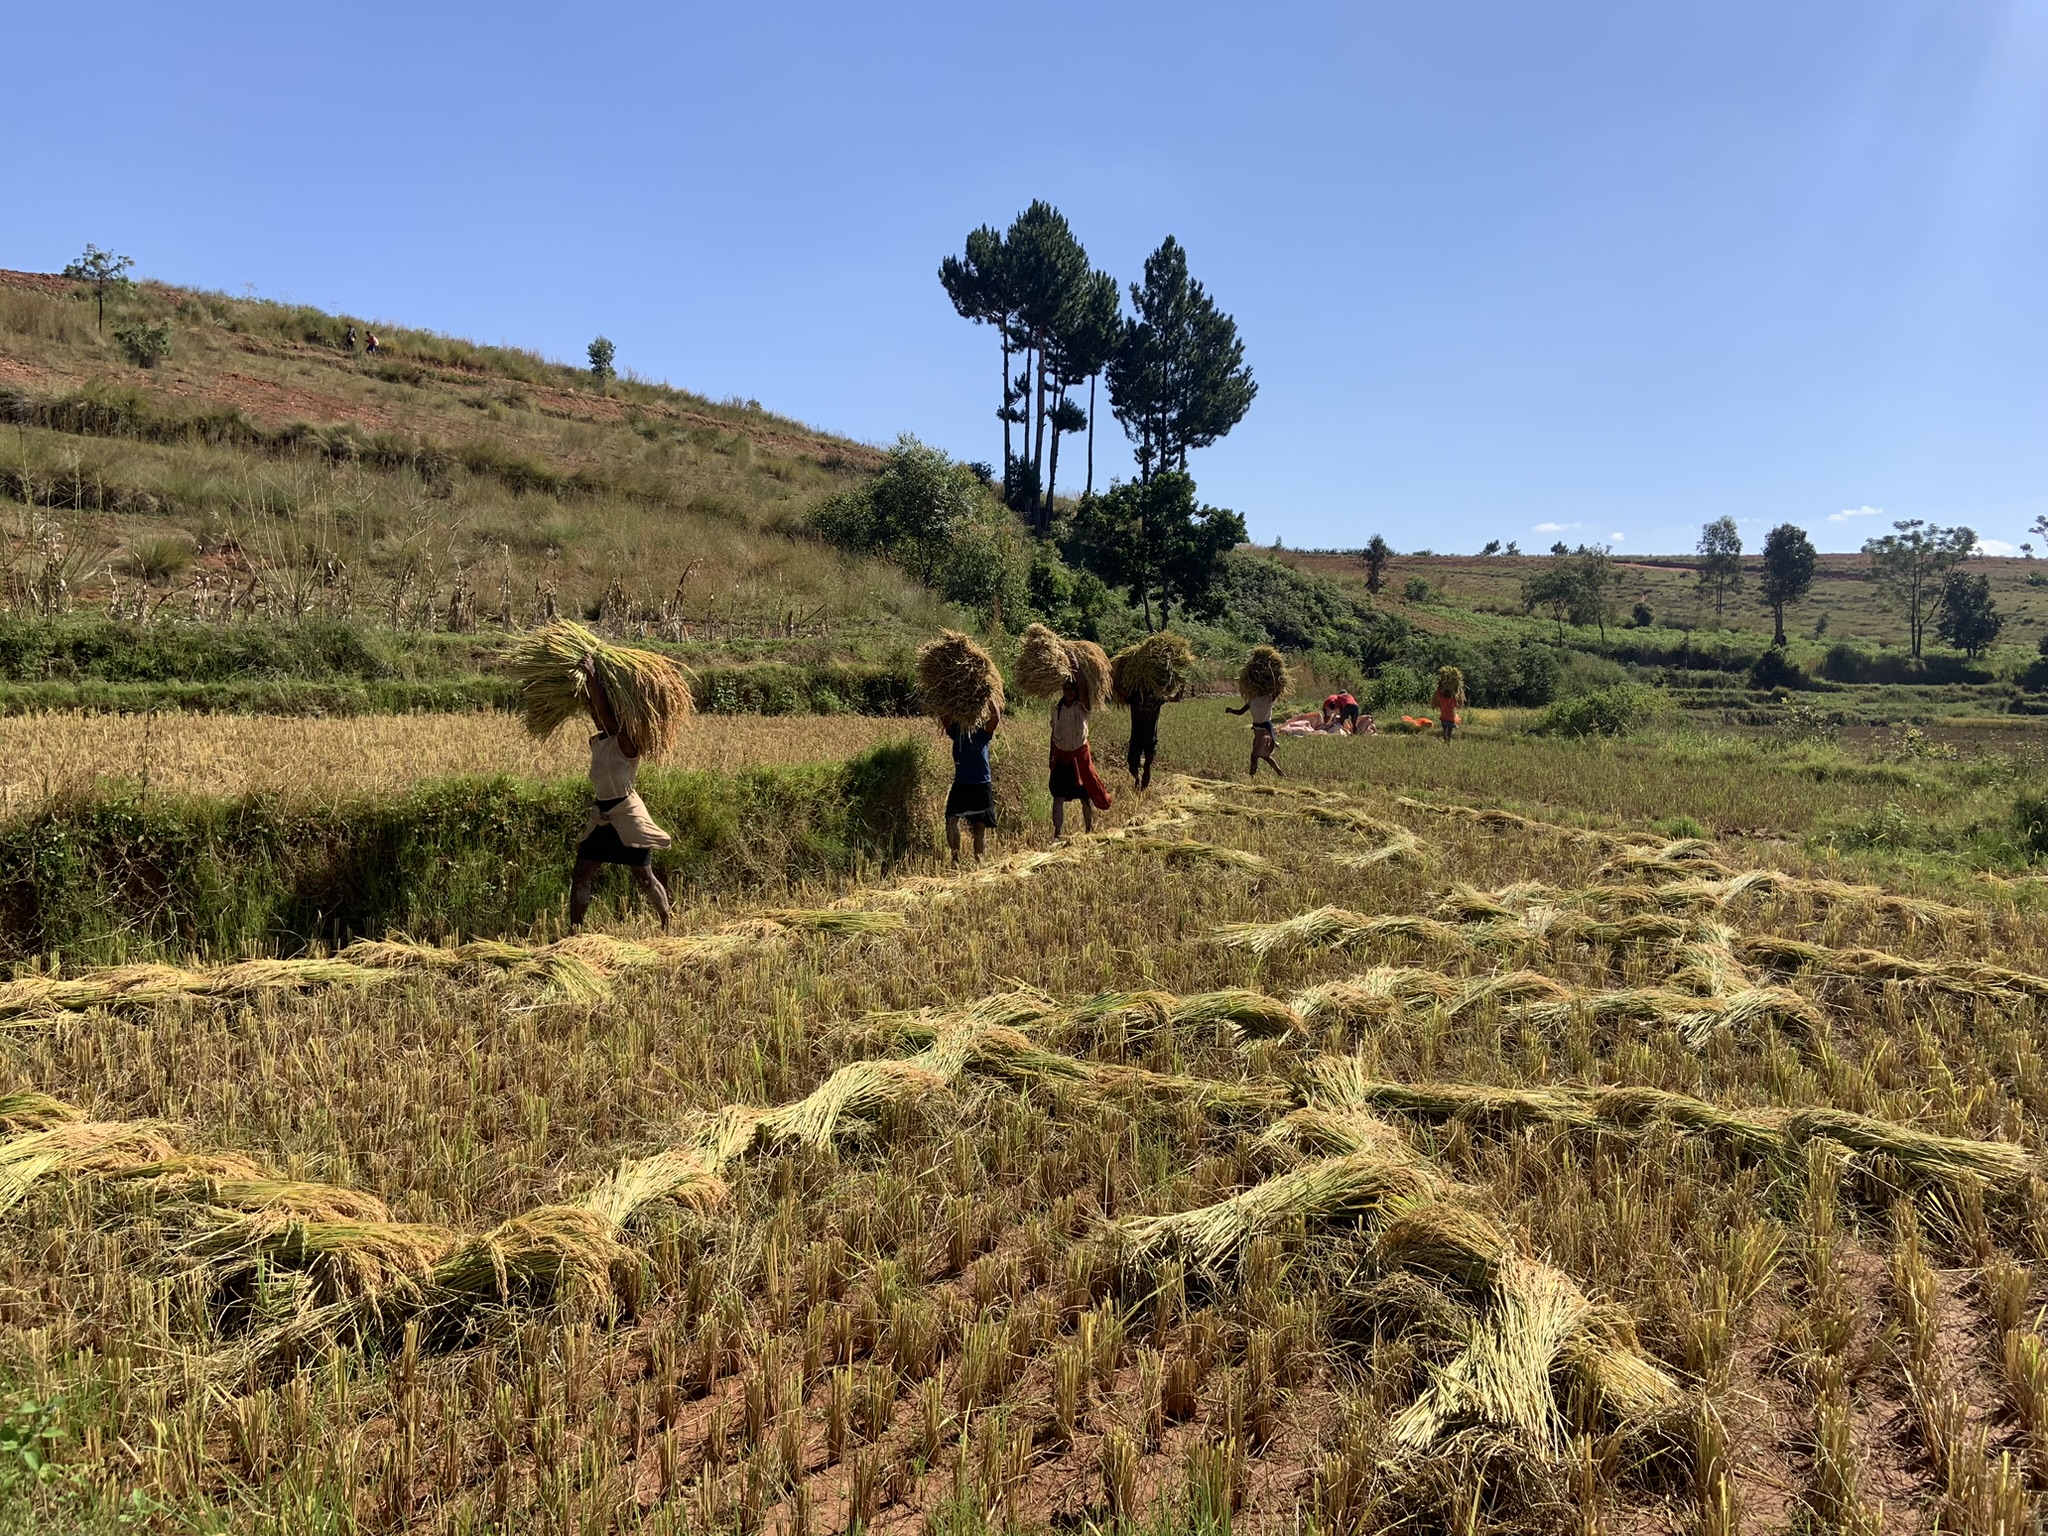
[[958, 681], [1263, 675], [1451, 682], [1044, 664], [650, 694], [1091, 673], [1159, 669]]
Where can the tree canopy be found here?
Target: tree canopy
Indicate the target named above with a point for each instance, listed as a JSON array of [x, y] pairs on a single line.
[[1788, 573], [1179, 380], [1720, 568], [1969, 619], [1909, 563], [1151, 538]]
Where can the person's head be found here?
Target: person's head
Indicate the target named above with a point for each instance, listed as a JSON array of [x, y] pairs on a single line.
[[1070, 692]]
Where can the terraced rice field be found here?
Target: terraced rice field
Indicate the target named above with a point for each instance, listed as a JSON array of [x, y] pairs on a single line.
[[1283, 1157]]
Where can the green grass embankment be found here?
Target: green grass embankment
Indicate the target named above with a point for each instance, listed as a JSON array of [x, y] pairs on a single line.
[[128, 876]]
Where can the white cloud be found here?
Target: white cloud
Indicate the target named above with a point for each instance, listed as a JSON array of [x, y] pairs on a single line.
[[1996, 547], [1616, 538], [1555, 527], [1849, 512]]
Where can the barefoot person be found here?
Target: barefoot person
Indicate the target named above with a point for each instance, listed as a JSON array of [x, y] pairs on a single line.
[[621, 831], [1144, 748], [972, 799], [1073, 764], [1261, 708]]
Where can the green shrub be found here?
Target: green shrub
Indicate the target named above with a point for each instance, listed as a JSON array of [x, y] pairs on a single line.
[[1614, 711], [1775, 669], [144, 344], [117, 875]]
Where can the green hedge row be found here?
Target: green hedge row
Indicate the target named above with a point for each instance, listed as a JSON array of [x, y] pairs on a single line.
[[121, 876]]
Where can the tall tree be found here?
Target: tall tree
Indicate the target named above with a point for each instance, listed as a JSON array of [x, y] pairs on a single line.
[[978, 284], [1179, 380], [1377, 553], [1065, 417], [1788, 573], [1152, 539], [1082, 347], [1720, 568], [1909, 563], [1048, 274], [104, 270], [1970, 620]]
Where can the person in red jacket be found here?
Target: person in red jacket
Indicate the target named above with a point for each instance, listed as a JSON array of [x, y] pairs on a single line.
[[1341, 706]]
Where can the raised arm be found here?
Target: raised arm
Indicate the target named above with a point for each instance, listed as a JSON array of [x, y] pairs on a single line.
[[1237, 711], [601, 710]]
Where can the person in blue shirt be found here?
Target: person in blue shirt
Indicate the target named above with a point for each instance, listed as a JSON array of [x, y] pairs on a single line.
[[972, 798]]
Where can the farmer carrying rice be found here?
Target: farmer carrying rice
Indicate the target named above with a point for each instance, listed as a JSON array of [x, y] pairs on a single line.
[[621, 830], [1450, 693], [972, 798], [1073, 774], [1075, 674], [959, 686], [636, 700], [1261, 683], [1144, 678]]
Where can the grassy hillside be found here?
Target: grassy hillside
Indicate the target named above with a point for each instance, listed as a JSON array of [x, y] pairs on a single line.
[[1845, 603], [262, 465]]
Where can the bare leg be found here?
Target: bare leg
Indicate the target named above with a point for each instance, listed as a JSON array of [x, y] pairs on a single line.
[[581, 878], [980, 836], [657, 893], [953, 837], [1088, 815], [1145, 782], [1059, 816]]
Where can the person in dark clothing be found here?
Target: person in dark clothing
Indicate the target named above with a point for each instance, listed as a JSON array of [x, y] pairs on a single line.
[[972, 799], [350, 341], [1144, 749]]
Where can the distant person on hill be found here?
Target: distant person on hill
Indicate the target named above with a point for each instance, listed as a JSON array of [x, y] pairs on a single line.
[[1262, 730], [349, 341], [371, 348], [972, 798], [1073, 763], [621, 831], [1342, 708], [1450, 693]]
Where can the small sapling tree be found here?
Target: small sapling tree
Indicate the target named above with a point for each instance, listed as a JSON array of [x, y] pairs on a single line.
[[104, 270], [144, 344], [601, 353], [1720, 569]]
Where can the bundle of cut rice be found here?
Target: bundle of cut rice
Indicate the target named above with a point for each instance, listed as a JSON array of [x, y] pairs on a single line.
[[649, 693], [958, 681], [1045, 664], [1451, 681], [1159, 669], [1263, 675], [1091, 673]]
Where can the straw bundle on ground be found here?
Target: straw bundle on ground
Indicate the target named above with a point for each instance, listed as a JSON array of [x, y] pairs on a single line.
[[1332, 926], [1091, 673], [649, 693], [958, 681], [1263, 675], [80, 1148], [1159, 669], [1963, 976], [1044, 664]]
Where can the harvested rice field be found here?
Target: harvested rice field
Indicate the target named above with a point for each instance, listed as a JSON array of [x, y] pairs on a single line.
[[1355, 1153], [52, 756]]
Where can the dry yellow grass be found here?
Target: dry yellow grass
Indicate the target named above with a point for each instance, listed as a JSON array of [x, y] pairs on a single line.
[[48, 755]]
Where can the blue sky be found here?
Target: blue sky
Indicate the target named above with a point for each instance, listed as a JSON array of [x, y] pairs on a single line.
[[1504, 270]]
